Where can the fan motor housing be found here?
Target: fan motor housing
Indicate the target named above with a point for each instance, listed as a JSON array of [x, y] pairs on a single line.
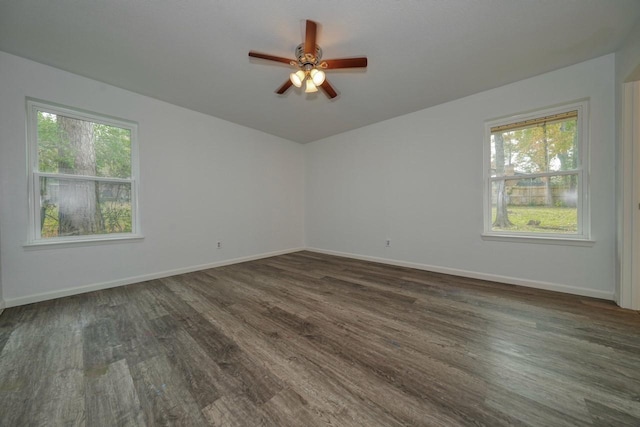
[[304, 59]]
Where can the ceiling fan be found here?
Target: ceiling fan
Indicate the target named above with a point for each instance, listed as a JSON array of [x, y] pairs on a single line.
[[310, 65]]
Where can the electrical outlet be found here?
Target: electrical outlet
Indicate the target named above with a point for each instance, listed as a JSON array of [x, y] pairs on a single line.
[[387, 243], [219, 245]]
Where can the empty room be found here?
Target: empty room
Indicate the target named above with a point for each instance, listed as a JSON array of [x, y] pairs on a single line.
[[320, 213]]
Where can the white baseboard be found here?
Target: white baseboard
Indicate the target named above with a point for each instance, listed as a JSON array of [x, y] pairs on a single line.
[[567, 289], [13, 302]]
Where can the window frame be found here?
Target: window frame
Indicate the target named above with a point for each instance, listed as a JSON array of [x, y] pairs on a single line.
[[34, 234], [583, 235]]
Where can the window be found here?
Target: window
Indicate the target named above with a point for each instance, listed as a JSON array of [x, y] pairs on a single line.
[[82, 180], [536, 182]]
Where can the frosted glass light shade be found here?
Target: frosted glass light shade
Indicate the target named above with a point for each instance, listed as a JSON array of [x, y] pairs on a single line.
[[317, 76], [297, 78], [310, 87]]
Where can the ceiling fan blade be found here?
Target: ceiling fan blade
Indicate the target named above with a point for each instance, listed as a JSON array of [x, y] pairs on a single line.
[[284, 87], [271, 57], [328, 89], [310, 38], [332, 64]]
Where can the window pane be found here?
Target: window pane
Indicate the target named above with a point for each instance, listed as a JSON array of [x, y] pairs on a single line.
[[79, 147], [73, 207], [538, 205], [546, 147]]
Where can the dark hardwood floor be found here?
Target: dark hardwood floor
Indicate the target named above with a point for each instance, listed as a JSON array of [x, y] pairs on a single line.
[[312, 340]]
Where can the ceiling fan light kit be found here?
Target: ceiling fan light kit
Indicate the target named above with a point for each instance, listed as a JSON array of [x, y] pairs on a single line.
[[310, 65]]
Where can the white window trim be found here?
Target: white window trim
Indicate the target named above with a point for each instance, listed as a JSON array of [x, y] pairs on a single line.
[[33, 182], [583, 236]]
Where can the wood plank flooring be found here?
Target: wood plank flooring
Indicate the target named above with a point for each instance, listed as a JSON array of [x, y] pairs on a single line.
[[313, 340]]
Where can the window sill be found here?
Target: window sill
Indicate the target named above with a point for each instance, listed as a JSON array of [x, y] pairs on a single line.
[[545, 240], [67, 243]]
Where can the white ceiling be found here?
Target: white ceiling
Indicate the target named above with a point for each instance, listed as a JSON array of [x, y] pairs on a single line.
[[193, 53]]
